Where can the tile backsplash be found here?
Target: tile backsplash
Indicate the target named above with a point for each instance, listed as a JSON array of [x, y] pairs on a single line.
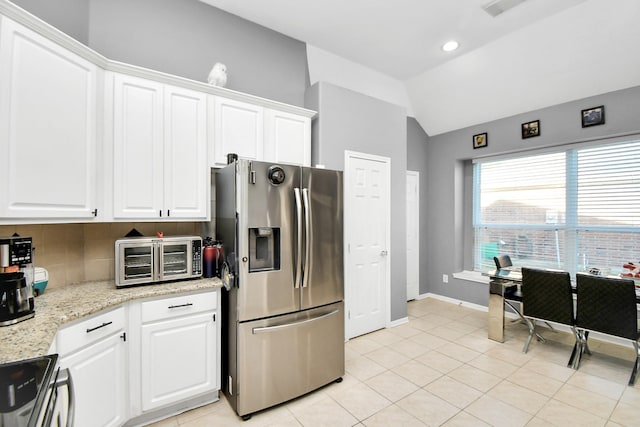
[[74, 253]]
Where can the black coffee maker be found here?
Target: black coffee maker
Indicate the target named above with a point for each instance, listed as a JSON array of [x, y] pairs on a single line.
[[16, 280]]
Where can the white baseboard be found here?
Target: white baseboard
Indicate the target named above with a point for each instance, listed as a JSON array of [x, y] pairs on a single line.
[[398, 322], [455, 301]]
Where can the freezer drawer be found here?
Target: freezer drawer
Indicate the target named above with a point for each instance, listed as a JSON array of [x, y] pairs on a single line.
[[284, 357]]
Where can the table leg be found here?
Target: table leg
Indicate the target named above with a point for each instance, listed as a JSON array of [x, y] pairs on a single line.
[[496, 317]]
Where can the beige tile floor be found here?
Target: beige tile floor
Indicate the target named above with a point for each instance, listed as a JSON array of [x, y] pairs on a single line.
[[440, 369]]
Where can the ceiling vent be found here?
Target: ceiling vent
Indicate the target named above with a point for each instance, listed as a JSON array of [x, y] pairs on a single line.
[[497, 7]]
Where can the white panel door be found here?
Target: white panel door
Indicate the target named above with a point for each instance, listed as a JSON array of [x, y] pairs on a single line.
[[287, 138], [238, 128], [138, 185], [186, 178], [367, 230], [178, 359], [48, 104], [413, 234]]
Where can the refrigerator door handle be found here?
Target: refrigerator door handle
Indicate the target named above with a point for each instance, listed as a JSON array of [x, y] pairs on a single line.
[[307, 235], [265, 329], [297, 279]]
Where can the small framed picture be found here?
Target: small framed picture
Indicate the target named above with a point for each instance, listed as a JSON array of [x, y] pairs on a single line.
[[593, 116], [531, 129], [480, 140]]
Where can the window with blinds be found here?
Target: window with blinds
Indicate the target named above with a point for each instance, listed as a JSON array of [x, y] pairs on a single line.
[[571, 210]]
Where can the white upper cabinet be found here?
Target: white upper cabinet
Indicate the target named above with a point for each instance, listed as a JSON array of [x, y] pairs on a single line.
[[159, 151], [238, 128], [255, 132], [84, 139], [287, 138], [138, 150], [186, 173], [48, 108]]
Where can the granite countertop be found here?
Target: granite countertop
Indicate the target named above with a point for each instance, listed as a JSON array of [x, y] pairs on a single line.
[[57, 306]]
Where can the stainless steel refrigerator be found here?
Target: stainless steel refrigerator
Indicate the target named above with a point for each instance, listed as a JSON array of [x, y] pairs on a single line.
[[282, 231]]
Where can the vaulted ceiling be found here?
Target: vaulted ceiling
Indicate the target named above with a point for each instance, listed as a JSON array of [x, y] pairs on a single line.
[[514, 56]]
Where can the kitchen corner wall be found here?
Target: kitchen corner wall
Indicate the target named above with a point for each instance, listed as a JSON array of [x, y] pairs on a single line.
[[417, 160], [74, 253], [349, 120]]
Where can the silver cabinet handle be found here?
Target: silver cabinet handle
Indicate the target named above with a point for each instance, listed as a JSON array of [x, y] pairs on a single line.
[[384, 253]]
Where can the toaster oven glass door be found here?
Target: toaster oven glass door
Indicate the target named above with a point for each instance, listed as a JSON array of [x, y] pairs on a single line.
[[176, 260], [138, 265]]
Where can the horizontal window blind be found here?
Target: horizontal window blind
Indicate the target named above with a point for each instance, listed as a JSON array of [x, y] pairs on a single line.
[[573, 210], [609, 186], [529, 190]]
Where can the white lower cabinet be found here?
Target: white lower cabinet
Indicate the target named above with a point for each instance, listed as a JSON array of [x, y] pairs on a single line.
[[179, 348], [142, 360], [95, 352], [179, 359]]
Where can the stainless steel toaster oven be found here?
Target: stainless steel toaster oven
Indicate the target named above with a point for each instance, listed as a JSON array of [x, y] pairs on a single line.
[[144, 260]]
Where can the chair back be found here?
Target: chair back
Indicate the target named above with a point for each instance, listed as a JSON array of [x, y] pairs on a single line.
[[607, 305], [502, 261], [547, 295]]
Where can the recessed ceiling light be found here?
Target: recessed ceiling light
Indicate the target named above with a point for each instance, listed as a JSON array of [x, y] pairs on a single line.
[[450, 46]]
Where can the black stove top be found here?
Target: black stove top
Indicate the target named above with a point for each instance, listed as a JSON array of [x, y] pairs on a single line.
[[23, 389]]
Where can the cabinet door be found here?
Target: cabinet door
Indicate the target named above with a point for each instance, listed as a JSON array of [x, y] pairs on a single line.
[[178, 359], [287, 138], [47, 128], [238, 128], [137, 148], [99, 380], [186, 173]]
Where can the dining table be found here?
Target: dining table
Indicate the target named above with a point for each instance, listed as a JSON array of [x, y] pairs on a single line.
[[504, 284]]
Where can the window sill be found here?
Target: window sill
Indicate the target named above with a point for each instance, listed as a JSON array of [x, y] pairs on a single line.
[[471, 276]]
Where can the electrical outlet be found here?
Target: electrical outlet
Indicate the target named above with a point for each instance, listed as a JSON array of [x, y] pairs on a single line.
[[445, 278]]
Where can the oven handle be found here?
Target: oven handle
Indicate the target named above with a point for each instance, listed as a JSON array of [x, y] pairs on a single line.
[[64, 379]]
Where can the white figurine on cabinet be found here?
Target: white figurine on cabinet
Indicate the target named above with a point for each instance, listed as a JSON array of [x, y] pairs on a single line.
[[218, 75]]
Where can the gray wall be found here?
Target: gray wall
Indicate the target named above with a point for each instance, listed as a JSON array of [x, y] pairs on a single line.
[[185, 38], [352, 121], [69, 16], [448, 236], [417, 141]]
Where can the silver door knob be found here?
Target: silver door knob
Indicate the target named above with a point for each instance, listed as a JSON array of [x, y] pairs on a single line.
[[383, 253]]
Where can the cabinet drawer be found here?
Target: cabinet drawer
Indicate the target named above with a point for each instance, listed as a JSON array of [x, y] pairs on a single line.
[[89, 331], [182, 305]]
